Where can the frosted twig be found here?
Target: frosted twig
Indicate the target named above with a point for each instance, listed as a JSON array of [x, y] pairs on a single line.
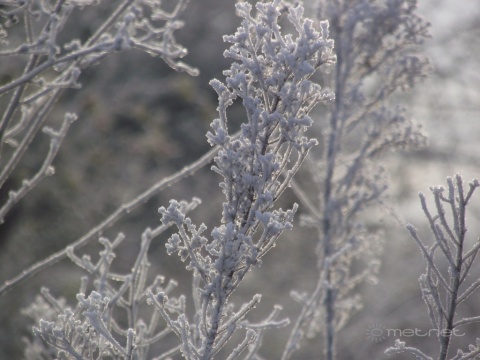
[[97, 231], [442, 282], [45, 170], [400, 348]]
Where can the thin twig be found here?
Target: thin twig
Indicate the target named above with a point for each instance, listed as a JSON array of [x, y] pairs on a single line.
[[109, 221]]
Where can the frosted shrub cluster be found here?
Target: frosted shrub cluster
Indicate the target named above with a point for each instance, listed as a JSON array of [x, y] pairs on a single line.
[[271, 75], [375, 45], [92, 328], [52, 65], [363, 53]]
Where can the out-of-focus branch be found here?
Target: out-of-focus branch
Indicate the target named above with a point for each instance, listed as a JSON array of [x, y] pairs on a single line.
[[97, 231]]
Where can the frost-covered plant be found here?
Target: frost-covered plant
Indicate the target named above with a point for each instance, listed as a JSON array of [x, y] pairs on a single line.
[[110, 322], [277, 53], [448, 283], [53, 61], [271, 75], [376, 44]]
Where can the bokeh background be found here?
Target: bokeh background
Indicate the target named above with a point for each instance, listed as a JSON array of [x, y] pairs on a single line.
[[139, 121]]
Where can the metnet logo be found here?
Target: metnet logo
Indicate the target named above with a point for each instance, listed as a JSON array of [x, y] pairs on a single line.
[[377, 332]]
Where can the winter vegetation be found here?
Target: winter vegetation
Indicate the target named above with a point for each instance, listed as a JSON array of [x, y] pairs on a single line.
[[447, 283], [270, 168]]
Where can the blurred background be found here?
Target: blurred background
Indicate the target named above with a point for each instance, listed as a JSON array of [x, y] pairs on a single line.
[[139, 121]]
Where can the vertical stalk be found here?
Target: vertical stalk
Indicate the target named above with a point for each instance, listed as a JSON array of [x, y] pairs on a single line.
[[326, 228], [455, 271]]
